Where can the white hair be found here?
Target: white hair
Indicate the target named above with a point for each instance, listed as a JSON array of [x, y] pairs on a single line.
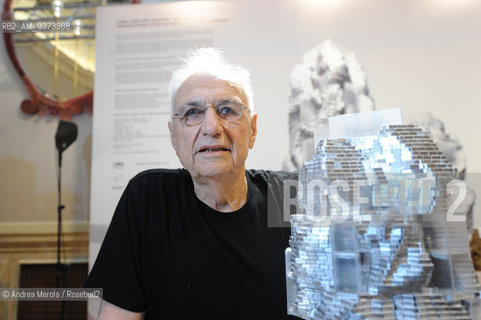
[[210, 61]]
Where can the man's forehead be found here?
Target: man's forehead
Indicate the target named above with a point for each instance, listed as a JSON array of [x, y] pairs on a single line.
[[207, 88]]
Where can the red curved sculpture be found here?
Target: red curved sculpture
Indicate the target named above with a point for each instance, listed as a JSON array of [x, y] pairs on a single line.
[[39, 103]]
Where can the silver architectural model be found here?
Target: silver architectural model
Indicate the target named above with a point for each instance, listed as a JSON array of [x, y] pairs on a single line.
[[329, 81], [377, 238]]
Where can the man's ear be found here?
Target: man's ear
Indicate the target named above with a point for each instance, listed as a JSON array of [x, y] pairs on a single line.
[[253, 130], [172, 135]]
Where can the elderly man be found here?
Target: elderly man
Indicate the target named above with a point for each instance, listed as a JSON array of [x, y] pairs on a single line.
[[194, 243]]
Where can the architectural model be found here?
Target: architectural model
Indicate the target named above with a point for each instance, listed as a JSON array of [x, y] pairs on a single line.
[[380, 236]]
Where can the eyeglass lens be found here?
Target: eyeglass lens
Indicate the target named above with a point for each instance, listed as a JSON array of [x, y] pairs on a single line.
[[230, 111]]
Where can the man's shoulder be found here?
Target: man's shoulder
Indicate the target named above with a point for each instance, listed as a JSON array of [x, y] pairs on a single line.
[[272, 181], [269, 175]]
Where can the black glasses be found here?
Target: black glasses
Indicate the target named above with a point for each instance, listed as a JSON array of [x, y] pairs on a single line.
[[227, 110]]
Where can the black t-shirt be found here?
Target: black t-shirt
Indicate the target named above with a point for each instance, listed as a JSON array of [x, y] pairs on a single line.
[[171, 255]]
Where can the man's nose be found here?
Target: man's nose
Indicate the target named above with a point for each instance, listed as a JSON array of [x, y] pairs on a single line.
[[211, 124]]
